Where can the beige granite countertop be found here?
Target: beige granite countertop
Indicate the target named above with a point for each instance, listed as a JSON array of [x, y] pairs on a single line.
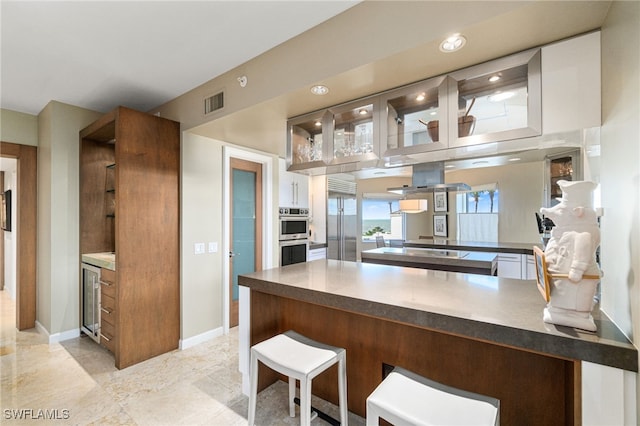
[[500, 310], [105, 260]]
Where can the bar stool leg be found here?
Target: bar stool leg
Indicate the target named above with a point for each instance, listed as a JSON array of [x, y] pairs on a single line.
[[292, 396], [253, 388], [342, 390], [372, 417], [305, 402]]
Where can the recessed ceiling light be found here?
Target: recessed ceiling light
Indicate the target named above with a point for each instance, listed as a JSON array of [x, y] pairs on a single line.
[[318, 123], [501, 96], [420, 97], [319, 90], [494, 78], [453, 43], [515, 159], [363, 111]]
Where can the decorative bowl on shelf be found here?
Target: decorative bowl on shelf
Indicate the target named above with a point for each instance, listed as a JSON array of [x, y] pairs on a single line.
[[466, 124], [432, 129]]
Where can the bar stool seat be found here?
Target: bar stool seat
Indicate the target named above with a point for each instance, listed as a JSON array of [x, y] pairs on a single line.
[[405, 398], [299, 358]]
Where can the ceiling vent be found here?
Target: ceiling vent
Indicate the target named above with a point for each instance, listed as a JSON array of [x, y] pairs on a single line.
[[214, 103]]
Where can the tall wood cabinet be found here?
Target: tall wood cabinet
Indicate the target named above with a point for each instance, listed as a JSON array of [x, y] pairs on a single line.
[[129, 204]]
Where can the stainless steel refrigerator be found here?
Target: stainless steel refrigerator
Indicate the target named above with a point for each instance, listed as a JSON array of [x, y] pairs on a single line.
[[342, 220]]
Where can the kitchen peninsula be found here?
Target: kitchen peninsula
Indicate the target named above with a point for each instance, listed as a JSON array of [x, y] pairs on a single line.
[[515, 260], [479, 333], [487, 246], [441, 260]]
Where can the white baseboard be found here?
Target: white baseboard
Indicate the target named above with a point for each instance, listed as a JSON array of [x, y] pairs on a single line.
[[200, 338], [57, 337], [40, 328]]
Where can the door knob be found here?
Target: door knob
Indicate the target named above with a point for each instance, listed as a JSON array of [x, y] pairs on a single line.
[[232, 254]]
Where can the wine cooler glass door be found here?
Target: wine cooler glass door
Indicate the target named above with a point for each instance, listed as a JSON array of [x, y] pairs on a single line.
[[91, 301]]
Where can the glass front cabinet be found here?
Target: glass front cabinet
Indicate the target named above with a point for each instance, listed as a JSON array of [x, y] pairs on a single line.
[[347, 133], [496, 101], [414, 118], [307, 141], [355, 132], [499, 100]]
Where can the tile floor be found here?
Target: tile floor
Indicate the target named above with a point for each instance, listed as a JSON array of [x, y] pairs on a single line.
[[76, 381]]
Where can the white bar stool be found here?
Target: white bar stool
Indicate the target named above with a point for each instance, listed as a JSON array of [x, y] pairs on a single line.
[[299, 358], [405, 398]]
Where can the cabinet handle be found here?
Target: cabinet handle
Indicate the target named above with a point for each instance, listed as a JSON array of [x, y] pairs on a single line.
[[293, 193], [108, 284], [506, 257], [105, 337], [297, 198], [106, 311]]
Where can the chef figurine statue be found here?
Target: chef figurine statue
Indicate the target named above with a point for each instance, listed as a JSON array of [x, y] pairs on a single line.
[[570, 255]]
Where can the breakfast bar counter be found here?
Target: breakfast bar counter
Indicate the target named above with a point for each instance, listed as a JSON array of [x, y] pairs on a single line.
[[480, 333]]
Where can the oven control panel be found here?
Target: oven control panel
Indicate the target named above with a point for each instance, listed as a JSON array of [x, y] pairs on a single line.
[[293, 211]]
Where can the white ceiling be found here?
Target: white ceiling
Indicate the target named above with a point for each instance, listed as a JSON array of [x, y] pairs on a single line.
[[101, 54]]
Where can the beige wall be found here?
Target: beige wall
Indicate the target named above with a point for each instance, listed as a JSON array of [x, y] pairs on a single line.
[[43, 270], [201, 220], [18, 127], [58, 275], [620, 139], [521, 195]]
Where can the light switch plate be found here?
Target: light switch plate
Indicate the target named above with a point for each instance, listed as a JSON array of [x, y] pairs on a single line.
[[199, 248], [213, 247]]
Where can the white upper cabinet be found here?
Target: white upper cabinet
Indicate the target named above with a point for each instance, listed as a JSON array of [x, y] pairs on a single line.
[[293, 188], [571, 84], [318, 208]]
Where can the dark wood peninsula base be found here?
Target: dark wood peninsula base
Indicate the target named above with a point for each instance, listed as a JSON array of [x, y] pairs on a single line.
[[532, 388]]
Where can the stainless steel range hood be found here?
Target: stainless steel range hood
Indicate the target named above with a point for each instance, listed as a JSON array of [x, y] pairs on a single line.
[[429, 177]]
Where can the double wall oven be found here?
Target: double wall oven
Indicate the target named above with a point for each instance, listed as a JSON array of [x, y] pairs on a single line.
[[293, 235]]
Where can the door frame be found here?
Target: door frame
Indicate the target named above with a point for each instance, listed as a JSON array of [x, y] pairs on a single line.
[[26, 226], [268, 162]]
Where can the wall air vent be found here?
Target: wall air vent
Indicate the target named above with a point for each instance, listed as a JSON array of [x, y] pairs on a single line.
[[214, 103]]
